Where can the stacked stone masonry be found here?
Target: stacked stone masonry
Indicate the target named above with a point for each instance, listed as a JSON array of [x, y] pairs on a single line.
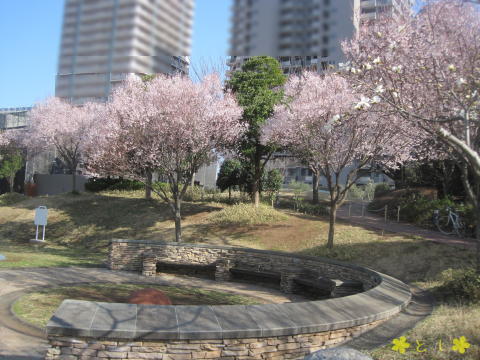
[[142, 256], [274, 348], [92, 330]]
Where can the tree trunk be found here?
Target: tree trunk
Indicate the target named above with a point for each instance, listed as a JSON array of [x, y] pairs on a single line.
[[257, 176], [148, 185], [178, 221], [74, 182], [316, 183], [256, 190], [12, 183], [331, 228], [256, 198], [477, 237], [229, 193]]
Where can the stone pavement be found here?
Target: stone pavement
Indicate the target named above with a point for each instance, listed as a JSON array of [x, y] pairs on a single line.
[[19, 341], [377, 221]]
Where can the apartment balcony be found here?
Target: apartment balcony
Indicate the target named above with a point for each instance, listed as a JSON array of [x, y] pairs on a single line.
[[368, 16], [368, 3]]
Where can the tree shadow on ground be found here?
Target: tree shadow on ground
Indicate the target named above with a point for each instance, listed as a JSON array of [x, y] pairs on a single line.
[[92, 220]]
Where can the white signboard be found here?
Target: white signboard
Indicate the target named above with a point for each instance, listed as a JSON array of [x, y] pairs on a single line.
[[41, 215]]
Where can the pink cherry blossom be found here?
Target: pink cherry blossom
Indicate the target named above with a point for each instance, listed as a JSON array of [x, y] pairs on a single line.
[[426, 70], [169, 125], [334, 129], [59, 124]]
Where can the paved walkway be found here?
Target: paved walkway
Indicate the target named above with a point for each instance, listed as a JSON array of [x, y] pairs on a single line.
[[19, 341], [353, 214]]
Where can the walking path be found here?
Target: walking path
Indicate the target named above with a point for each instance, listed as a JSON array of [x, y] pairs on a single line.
[[19, 341], [353, 214]]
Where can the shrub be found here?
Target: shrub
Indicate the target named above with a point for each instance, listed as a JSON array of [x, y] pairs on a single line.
[[246, 214], [102, 184], [312, 209], [461, 285], [418, 209], [194, 193], [298, 188], [11, 198], [356, 192], [127, 185], [271, 184], [381, 189], [95, 184]]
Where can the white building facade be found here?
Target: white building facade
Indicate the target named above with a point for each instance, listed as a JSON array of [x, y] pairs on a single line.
[[103, 41]]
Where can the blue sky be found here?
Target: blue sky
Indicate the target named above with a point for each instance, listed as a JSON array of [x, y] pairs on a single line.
[[30, 33]]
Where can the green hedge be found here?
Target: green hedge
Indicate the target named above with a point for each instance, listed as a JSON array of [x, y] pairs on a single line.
[[461, 285], [102, 184]]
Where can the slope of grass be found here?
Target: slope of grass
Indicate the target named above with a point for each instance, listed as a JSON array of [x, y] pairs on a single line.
[[246, 214], [11, 198], [83, 225]]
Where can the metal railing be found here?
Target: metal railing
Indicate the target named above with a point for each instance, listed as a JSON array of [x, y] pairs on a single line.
[[383, 209]]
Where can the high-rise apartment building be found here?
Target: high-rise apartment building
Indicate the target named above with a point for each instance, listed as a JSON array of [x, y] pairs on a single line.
[[105, 40], [300, 33], [367, 10]]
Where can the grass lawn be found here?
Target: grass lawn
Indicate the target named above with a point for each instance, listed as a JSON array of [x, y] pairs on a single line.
[[18, 256], [80, 228], [38, 307]]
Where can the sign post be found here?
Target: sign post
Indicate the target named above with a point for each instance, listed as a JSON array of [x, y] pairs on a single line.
[[41, 215]]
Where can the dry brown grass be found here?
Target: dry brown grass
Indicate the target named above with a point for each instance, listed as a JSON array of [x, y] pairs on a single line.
[[89, 221]]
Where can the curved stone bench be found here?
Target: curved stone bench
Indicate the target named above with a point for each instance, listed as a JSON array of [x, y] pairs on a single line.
[[284, 331]]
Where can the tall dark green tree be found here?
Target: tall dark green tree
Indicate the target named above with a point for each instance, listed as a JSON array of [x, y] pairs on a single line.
[[11, 162], [258, 88], [230, 175]]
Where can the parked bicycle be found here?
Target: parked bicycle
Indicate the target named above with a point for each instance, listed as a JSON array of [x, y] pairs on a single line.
[[449, 224]]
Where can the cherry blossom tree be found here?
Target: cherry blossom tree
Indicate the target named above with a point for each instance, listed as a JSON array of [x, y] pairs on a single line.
[[426, 69], [169, 125], [335, 130], [66, 127]]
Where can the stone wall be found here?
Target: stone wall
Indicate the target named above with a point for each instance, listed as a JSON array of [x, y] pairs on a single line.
[[95, 330], [129, 254], [274, 348]]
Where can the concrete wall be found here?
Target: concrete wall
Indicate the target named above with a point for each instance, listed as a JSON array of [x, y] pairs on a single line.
[[58, 184]]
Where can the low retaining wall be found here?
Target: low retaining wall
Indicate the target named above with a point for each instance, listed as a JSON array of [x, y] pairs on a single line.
[[128, 255], [275, 348], [91, 330]]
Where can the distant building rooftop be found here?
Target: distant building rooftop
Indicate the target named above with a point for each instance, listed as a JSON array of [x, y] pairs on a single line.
[[14, 110], [14, 118]]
